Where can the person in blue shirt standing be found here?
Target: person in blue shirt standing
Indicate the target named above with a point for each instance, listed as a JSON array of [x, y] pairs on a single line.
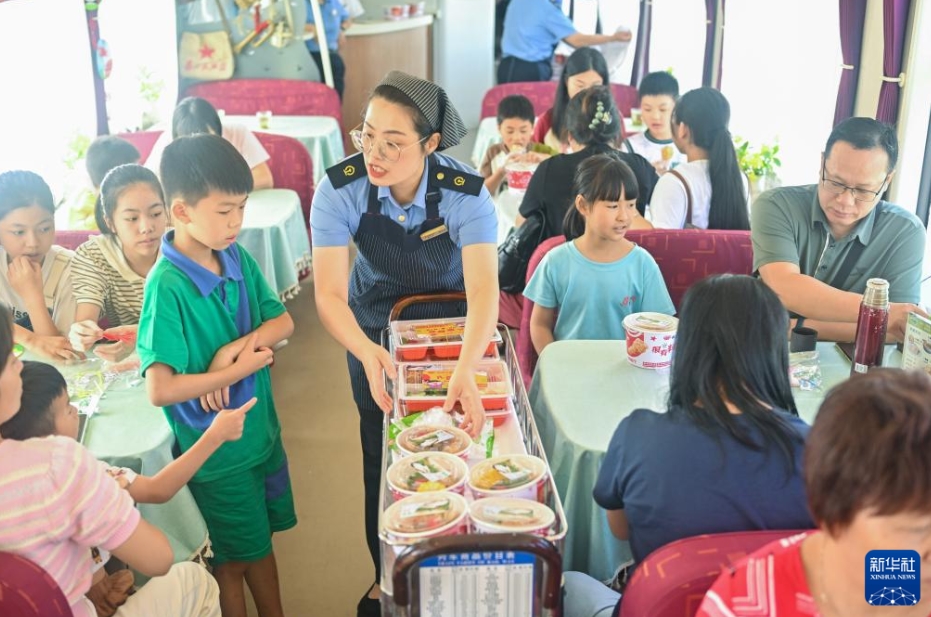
[[336, 19], [532, 28], [421, 222]]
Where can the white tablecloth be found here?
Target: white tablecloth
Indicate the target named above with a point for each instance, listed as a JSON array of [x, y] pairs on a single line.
[[321, 135], [274, 233]]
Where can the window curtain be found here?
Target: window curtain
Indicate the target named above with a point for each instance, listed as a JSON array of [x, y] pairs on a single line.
[[895, 16], [852, 17], [98, 65], [642, 52], [713, 24]]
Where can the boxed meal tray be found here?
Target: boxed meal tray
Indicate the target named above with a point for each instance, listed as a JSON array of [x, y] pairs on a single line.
[[434, 339], [422, 386]]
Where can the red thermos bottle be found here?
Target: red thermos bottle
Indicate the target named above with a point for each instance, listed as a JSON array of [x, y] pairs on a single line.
[[871, 326]]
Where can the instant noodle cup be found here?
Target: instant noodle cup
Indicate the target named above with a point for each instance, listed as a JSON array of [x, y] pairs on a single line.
[[518, 176], [651, 338], [431, 438], [510, 515], [426, 515], [427, 472], [513, 475]]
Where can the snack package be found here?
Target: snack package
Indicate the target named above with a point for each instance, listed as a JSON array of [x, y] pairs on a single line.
[[805, 371]]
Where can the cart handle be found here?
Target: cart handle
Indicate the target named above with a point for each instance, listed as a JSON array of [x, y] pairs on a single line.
[[406, 301], [444, 545]]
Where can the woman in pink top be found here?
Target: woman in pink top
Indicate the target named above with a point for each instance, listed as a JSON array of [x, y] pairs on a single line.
[[868, 477], [56, 502]]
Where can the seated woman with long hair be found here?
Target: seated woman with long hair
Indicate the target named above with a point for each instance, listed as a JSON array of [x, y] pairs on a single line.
[[726, 455], [868, 477], [708, 191]]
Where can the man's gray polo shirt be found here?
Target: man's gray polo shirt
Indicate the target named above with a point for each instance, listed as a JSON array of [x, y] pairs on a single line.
[[788, 225]]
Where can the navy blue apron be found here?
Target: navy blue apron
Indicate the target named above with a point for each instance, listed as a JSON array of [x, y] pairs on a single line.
[[406, 264]]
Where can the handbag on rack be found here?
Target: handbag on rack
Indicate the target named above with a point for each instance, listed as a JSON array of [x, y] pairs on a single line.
[[207, 56], [515, 252]]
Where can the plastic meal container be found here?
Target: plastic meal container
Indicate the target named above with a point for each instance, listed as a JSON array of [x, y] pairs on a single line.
[[512, 475], [430, 438], [427, 515], [423, 386], [427, 472], [434, 339], [510, 515]]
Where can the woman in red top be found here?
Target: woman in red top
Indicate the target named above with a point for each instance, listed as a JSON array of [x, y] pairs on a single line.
[[868, 477]]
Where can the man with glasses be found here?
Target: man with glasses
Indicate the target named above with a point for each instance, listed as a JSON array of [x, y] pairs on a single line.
[[817, 245]]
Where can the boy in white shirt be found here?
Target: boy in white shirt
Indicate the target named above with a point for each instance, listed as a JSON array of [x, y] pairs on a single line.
[[658, 94]]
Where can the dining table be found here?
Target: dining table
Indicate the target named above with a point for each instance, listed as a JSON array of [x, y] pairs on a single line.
[[275, 234], [321, 135], [125, 430], [581, 390]]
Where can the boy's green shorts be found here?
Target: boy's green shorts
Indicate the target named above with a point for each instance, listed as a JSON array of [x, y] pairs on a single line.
[[244, 508]]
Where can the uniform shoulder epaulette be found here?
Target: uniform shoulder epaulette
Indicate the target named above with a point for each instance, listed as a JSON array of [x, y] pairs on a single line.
[[457, 180], [348, 170]]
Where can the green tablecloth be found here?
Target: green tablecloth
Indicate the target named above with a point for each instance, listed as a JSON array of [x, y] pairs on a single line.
[[321, 135], [580, 392], [127, 431], [274, 233]]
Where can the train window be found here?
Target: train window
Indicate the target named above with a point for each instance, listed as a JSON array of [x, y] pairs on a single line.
[[778, 88], [677, 40], [47, 99]]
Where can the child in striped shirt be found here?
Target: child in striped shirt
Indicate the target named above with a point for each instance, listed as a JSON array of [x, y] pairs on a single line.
[[56, 503]]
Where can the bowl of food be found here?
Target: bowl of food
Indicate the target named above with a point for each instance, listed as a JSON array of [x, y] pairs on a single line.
[[513, 475], [431, 438], [510, 515], [427, 472], [426, 515], [650, 339], [397, 11]]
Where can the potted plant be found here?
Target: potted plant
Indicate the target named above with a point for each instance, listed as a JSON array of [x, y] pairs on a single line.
[[758, 163]]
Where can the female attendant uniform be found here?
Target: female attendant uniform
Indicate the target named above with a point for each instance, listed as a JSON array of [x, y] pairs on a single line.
[[532, 28], [402, 250]]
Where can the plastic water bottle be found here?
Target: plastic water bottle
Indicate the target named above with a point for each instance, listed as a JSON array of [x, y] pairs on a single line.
[[871, 326]]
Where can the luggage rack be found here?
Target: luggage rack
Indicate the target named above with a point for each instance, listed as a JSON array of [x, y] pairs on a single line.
[[514, 574]]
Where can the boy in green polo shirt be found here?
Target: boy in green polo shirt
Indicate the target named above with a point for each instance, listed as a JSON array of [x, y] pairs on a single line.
[[209, 320]]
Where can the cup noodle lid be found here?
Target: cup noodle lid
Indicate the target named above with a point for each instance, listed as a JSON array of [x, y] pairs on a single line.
[[651, 322], [431, 438], [425, 515], [505, 474], [506, 514], [438, 469]]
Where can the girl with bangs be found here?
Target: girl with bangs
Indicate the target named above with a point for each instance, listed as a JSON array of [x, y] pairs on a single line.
[[598, 276]]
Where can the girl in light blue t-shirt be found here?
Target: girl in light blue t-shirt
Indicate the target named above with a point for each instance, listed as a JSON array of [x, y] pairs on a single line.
[[585, 288]]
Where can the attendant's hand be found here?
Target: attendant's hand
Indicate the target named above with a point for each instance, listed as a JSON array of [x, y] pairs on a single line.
[[56, 348], [898, 316], [229, 423], [84, 334], [25, 278], [623, 36], [462, 388], [374, 360]]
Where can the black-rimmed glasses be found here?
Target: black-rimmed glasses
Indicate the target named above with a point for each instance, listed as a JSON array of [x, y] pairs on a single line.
[[836, 188]]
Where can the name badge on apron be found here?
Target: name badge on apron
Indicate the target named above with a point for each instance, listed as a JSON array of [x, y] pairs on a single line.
[[433, 233]]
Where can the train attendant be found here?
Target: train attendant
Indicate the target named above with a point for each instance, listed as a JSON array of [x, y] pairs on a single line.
[[422, 222]]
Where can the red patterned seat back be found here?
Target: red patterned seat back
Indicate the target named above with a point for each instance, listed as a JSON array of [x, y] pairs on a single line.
[[144, 142], [541, 94], [684, 256], [673, 579], [73, 238], [625, 97], [292, 167], [26, 590], [286, 97]]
